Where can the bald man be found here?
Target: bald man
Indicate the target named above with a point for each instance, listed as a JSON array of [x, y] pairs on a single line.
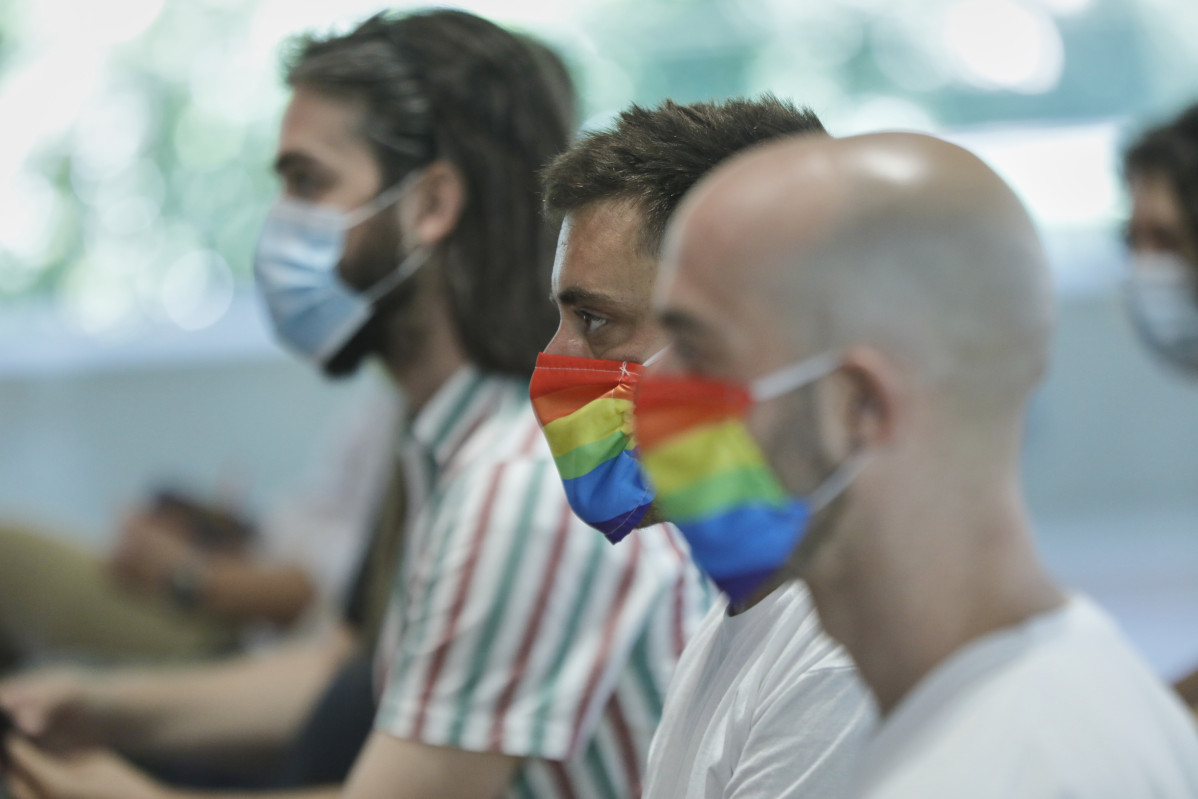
[[857, 327]]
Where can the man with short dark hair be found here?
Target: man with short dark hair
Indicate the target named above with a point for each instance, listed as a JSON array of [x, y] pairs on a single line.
[[735, 724], [519, 655]]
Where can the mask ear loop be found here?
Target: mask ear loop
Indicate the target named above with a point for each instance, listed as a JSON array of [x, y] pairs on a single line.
[[392, 280], [789, 378], [384, 199], [656, 356], [797, 375], [415, 259], [836, 483], [647, 362]]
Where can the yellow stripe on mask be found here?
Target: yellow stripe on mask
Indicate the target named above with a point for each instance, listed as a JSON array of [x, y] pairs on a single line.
[[700, 454], [592, 422]]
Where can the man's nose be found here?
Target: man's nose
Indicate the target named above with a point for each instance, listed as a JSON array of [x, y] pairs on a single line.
[[567, 342]]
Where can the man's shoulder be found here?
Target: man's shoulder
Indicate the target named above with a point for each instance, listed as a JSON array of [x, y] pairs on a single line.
[[1044, 699], [765, 686], [775, 646]]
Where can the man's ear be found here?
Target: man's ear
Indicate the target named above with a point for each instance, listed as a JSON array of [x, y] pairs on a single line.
[[430, 210], [874, 397]]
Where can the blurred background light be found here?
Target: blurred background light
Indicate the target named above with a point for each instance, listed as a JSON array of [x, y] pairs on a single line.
[[1002, 44], [197, 289], [1066, 8], [1068, 176], [163, 115]]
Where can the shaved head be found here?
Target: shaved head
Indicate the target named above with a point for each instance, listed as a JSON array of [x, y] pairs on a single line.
[[912, 263], [900, 242]]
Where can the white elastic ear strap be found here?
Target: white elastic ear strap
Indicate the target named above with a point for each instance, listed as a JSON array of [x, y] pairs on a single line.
[[788, 378], [398, 275], [385, 199], [656, 356], [840, 479]]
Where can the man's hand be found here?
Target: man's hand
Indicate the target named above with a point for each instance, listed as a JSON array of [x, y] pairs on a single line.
[[151, 547], [95, 774], [51, 707]]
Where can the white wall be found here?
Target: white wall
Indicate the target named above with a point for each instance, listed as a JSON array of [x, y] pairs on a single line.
[[83, 435], [1111, 472]]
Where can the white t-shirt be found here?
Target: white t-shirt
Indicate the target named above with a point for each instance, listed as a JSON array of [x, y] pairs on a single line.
[[762, 704], [1059, 706]]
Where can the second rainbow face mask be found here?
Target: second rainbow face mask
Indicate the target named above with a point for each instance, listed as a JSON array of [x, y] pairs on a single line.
[[585, 409], [713, 481]]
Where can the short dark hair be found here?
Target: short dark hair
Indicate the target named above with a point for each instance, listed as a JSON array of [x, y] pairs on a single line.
[[453, 86], [1171, 151], [652, 157]]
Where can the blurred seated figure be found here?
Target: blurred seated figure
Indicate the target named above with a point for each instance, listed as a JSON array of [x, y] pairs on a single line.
[[189, 579], [518, 653], [1161, 169]]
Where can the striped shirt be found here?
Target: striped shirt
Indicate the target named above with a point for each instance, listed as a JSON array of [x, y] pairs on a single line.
[[514, 627]]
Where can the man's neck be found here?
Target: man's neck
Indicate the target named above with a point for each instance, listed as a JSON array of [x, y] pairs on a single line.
[[902, 610], [420, 381], [421, 375]]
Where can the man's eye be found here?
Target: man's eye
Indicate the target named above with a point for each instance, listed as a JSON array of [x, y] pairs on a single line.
[[303, 184], [590, 322], [687, 354]]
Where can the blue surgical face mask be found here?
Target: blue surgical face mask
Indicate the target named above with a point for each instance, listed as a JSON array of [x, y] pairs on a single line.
[[1162, 298], [314, 312]]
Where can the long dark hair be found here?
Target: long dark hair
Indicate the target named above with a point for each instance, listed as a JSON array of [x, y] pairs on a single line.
[[450, 85]]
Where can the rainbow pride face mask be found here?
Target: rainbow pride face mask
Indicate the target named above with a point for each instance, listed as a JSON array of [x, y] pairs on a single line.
[[585, 409], [712, 480]]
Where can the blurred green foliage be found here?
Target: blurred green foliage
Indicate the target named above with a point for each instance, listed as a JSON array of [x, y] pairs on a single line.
[[194, 132]]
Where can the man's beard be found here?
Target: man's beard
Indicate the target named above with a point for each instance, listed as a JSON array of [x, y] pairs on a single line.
[[394, 330]]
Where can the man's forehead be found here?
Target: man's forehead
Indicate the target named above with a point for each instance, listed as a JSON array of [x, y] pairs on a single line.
[[317, 124], [559, 254], [707, 292], [599, 249], [684, 301]]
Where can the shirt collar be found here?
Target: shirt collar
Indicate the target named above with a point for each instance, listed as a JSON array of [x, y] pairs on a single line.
[[452, 413]]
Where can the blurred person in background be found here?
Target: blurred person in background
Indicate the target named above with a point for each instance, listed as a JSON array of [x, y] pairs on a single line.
[[856, 328], [1161, 169], [734, 724], [190, 579], [519, 655]]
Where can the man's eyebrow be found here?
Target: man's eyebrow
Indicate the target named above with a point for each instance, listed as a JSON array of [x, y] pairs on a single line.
[[579, 296]]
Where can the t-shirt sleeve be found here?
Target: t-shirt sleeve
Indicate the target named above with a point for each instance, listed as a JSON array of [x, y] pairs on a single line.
[[515, 618], [784, 758]]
